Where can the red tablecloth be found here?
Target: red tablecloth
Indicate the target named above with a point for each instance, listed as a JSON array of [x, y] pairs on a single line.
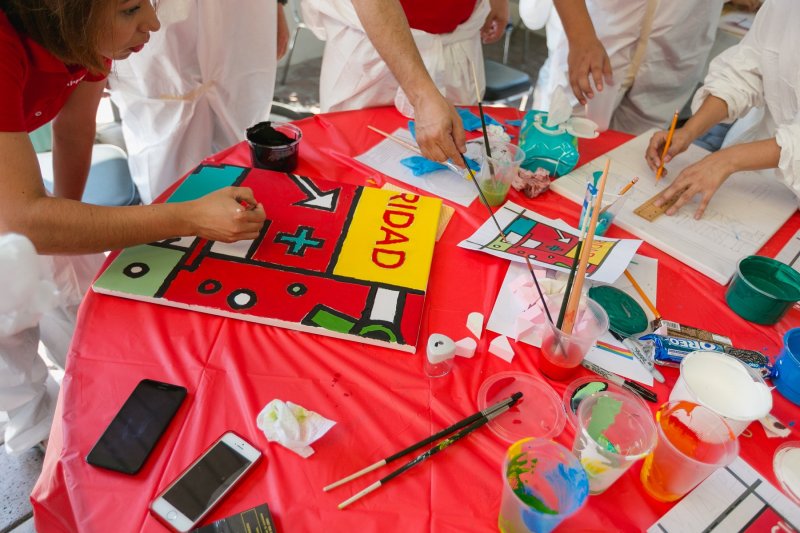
[[380, 398]]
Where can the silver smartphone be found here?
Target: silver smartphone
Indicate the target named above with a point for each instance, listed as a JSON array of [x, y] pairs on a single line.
[[205, 482]]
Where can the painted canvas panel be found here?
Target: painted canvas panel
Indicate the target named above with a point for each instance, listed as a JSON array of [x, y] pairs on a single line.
[[332, 258], [549, 243]]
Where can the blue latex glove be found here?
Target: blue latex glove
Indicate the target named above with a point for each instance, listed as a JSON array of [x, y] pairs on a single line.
[[472, 122], [419, 165]]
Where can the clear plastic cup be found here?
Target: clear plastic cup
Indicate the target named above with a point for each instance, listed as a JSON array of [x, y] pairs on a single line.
[[693, 442], [563, 352], [614, 430], [543, 483], [497, 172], [600, 108], [612, 205]]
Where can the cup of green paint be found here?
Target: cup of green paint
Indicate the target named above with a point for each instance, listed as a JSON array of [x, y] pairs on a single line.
[[543, 483], [763, 289], [497, 172], [614, 430]]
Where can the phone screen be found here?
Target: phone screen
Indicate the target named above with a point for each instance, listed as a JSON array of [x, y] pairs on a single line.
[[206, 481], [135, 430]]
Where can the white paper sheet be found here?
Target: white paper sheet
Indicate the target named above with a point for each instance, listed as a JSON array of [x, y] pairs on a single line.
[[549, 243], [508, 307], [735, 498], [744, 213], [790, 253], [385, 158]]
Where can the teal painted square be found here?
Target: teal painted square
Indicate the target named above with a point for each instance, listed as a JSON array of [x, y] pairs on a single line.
[[139, 270], [204, 180]]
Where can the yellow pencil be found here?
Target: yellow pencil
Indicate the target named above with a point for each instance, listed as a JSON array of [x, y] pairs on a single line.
[[628, 186], [645, 299], [666, 145]]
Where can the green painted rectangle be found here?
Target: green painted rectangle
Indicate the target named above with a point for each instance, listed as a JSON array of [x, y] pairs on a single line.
[[140, 270], [205, 180]]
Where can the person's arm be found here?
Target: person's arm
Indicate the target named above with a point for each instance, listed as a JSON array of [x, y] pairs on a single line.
[[708, 174], [587, 55], [712, 111], [64, 226], [74, 131], [495, 25], [440, 134], [283, 32]]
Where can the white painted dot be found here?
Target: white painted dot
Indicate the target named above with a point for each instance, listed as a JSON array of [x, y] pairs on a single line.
[[38, 114], [242, 298], [137, 269]]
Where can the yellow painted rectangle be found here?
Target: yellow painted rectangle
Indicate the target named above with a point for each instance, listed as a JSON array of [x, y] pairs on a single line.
[[390, 239]]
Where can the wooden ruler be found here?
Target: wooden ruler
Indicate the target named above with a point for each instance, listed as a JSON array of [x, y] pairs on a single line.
[[650, 212]]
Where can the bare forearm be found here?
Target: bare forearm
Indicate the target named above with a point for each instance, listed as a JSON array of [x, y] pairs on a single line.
[[61, 226], [712, 111], [757, 155], [576, 20], [72, 158], [387, 28]]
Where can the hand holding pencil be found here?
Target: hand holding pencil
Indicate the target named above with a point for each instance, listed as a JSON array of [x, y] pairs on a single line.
[[664, 146]]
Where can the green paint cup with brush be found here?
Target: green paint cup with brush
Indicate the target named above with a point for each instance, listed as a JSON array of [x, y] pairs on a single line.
[[614, 430], [498, 171]]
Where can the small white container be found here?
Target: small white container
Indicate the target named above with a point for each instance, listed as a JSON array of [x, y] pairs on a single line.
[[725, 385]]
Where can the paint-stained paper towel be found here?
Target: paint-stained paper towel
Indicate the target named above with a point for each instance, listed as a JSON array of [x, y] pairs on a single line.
[[292, 426]]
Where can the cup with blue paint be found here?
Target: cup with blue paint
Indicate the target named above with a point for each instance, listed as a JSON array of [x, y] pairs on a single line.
[[543, 484], [786, 372], [614, 430]]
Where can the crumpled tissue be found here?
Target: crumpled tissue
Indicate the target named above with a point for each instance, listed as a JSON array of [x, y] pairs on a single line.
[[292, 426], [27, 292]]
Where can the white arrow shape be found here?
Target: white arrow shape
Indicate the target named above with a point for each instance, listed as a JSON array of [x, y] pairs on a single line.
[[316, 198]]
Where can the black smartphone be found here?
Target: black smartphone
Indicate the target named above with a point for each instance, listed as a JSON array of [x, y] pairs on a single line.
[[136, 428]]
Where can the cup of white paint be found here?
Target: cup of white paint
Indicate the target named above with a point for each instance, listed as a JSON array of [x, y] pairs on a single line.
[[725, 385]]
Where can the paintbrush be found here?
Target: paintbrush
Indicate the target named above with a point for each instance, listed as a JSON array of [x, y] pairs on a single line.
[[583, 223], [508, 402], [443, 445], [480, 111], [575, 294], [483, 199], [398, 140], [539, 289], [449, 164]]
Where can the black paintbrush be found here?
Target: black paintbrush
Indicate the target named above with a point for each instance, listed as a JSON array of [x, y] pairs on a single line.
[[483, 198], [443, 445], [539, 289], [508, 402]]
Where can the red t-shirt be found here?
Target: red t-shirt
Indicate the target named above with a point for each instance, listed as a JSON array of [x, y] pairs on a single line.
[[437, 16], [34, 84]]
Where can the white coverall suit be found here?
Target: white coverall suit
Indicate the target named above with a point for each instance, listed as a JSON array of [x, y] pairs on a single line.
[[194, 89], [40, 302], [759, 80], [657, 48], [354, 76]]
